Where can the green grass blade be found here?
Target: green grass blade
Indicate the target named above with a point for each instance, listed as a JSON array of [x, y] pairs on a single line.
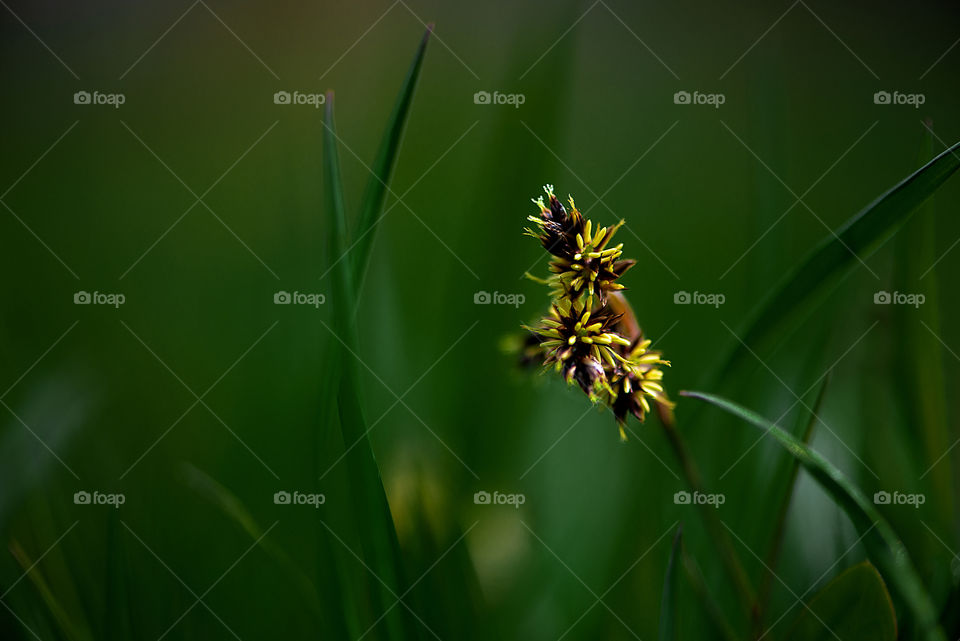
[[719, 536], [376, 190], [72, 629], [118, 622], [921, 373], [233, 508], [776, 540], [709, 602], [668, 601], [861, 235], [854, 606], [378, 536], [882, 545]]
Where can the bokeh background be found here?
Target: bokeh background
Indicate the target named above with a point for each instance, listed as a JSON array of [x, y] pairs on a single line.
[[199, 198]]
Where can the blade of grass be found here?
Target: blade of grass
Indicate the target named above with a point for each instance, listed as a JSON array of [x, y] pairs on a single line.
[[719, 535], [378, 537], [117, 618], [859, 237], [233, 508], [376, 190], [699, 584], [854, 606], [921, 373], [72, 629], [881, 543], [668, 601], [776, 540]]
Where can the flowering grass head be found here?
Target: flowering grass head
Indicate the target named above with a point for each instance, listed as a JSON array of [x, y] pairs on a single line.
[[590, 334], [582, 261]]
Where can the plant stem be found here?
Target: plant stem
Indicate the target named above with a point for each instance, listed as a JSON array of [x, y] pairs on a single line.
[[718, 533]]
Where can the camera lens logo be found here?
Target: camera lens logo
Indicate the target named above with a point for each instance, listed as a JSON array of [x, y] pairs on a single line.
[[281, 298], [482, 298], [681, 98], [281, 498], [81, 98], [81, 298], [481, 98], [681, 298], [482, 498], [281, 98], [881, 298], [882, 498], [681, 498], [881, 98], [81, 498]]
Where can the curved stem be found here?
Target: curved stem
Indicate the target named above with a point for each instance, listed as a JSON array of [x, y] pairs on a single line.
[[718, 533]]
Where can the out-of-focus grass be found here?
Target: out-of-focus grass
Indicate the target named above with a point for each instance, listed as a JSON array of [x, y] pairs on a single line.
[[596, 512]]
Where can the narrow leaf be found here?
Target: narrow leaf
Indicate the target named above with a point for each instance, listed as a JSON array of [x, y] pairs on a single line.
[[378, 536], [232, 507], [781, 520], [881, 543], [709, 602], [920, 375], [72, 630], [858, 238], [668, 601], [376, 190], [855, 606]]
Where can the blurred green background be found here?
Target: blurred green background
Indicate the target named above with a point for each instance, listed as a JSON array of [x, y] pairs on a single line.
[[199, 198]]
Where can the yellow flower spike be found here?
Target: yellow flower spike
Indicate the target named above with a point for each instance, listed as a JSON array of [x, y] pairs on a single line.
[[590, 334]]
